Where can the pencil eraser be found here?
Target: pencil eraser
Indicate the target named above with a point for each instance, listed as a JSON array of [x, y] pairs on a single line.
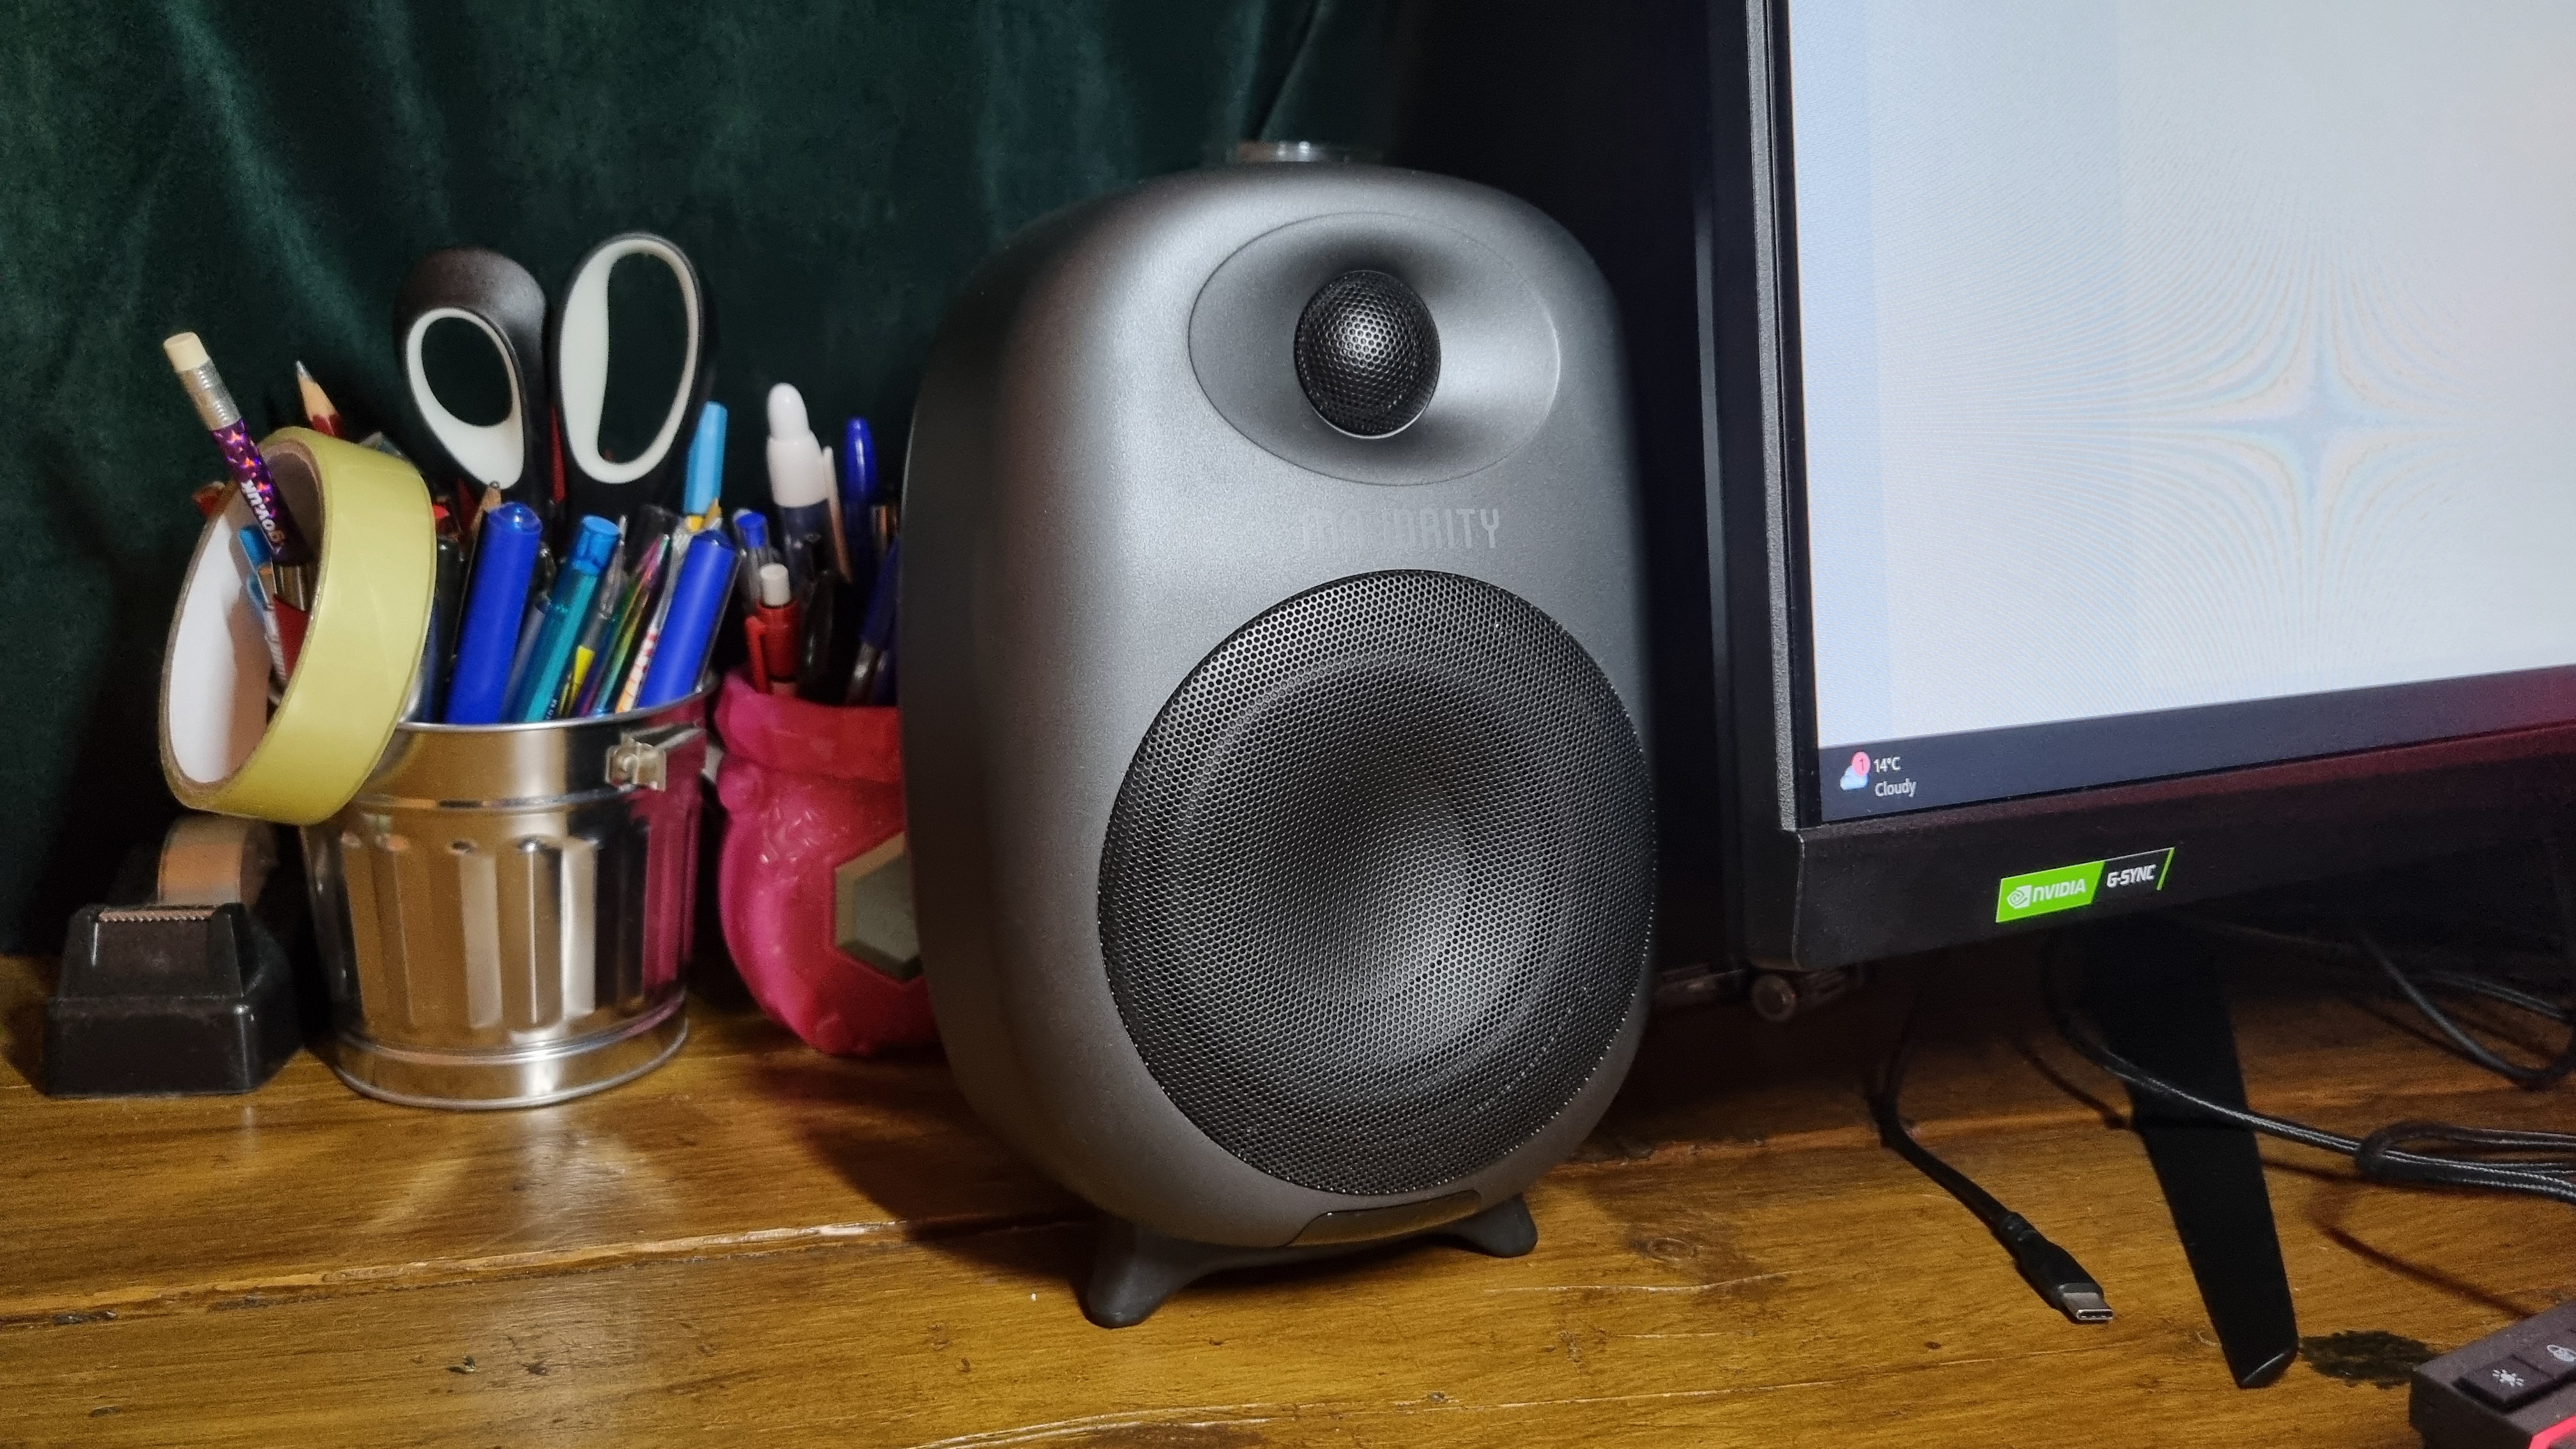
[[187, 354]]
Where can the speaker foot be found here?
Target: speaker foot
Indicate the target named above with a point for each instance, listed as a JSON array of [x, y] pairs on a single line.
[[1504, 1230], [1135, 1269]]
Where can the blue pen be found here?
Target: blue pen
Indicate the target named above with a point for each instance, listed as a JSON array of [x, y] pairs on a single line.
[[751, 530], [697, 603], [859, 497], [505, 556], [566, 611], [706, 462], [870, 679]]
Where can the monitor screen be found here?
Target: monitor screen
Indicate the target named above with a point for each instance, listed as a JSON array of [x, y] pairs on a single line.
[[2184, 385]]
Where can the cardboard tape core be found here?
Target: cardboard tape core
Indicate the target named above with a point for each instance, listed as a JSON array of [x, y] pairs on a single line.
[[222, 749], [212, 860]]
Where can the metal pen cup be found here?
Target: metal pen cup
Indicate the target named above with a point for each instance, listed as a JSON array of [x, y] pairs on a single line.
[[504, 910]]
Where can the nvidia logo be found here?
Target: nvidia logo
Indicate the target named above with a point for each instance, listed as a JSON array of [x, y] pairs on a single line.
[[2070, 886]]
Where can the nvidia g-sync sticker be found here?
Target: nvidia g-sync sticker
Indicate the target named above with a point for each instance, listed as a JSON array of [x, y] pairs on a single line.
[[2070, 887]]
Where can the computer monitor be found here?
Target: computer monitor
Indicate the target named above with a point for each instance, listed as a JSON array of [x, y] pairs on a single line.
[[2135, 442]]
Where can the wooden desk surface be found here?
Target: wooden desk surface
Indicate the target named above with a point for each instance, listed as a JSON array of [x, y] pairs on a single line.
[[758, 1239]]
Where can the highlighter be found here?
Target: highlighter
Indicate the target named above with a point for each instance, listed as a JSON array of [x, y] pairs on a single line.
[[505, 556], [706, 462], [567, 610]]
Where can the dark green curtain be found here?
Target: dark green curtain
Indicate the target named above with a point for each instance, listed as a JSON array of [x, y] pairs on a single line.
[[265, 173]]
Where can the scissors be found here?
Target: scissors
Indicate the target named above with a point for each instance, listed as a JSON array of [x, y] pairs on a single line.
[[557, 361]]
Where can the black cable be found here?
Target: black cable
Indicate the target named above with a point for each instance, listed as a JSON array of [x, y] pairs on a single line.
[[2537, 1164], [2548, 1074], [2050, 1270], [2411, 985], [2502, 1160], [2498, 987]]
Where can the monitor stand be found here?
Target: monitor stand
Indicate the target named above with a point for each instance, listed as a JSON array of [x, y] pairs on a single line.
[[2154, 989]]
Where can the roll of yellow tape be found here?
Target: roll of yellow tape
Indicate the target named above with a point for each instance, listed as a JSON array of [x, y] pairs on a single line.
[[221, 748]]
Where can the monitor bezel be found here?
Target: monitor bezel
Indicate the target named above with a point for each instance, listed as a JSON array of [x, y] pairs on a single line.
[[1804, 894]]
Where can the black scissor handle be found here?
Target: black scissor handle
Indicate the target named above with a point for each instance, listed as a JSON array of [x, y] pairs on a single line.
[[577, 341], [498, 297]]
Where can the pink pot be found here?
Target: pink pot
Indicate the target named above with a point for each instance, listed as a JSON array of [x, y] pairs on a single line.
[[807, 787]]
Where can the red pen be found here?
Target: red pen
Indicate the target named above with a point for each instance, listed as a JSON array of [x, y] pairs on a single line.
[[773, 631]]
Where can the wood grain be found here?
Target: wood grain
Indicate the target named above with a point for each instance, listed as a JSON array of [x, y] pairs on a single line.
[[759, 1239]]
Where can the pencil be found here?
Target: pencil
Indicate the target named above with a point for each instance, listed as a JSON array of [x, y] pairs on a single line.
[[318, 411]]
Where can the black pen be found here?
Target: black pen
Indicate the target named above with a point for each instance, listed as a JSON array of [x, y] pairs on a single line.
[[429, 681]]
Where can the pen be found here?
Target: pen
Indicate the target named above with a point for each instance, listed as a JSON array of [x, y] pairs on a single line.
[[835, 537], [652, 521], [698, 597], [275, 582], [532, 625], [601, 695], [858, 499], [429, 682], [263, 564], [751, 535], [255, 552], [567, 609], [645, 647], [595, 629], [773, 630], [505, 557], [223, 419], [876, 637], [823, 650], [800, 484]]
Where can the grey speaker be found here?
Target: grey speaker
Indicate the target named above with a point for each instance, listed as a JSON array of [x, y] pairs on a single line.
[[1272, 667]]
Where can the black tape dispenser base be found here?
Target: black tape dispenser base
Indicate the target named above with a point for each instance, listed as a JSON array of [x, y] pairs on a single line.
[[192, 993]]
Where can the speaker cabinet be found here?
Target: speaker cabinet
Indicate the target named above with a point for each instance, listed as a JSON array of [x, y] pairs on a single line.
[[1272, 666]]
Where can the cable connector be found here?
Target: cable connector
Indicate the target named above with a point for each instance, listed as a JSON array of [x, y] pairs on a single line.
[[2052, 1271], [2049, 1269]]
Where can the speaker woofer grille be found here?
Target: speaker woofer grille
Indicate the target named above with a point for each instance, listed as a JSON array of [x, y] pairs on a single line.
[[1378, 885]]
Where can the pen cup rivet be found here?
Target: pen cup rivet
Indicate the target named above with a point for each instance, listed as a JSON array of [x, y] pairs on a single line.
[[639, 763]]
